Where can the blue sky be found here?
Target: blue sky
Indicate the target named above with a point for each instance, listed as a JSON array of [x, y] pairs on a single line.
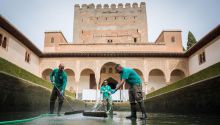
[[34, 17]]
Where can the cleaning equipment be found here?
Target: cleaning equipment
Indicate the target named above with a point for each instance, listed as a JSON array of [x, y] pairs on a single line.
[[96, 114], [71, 112], [95, 110]]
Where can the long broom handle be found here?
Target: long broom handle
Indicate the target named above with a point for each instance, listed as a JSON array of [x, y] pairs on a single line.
[[64, 97], [100, 100]]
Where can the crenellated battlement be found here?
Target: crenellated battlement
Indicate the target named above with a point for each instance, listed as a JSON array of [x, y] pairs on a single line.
[[112, 6], [117, 23]]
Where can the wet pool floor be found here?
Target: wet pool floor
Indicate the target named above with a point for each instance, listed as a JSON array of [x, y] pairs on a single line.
[[119, 119]]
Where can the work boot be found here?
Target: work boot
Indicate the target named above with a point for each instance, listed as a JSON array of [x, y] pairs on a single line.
[[52, 105], [133, 112], [142, 107], [59, 108]]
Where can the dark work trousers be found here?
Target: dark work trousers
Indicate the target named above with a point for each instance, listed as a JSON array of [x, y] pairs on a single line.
[[55, 93], [135, 93]]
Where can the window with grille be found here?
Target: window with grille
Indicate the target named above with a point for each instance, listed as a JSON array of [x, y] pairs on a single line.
[[4, 43], [0, 39], [27, 57], [201, 58]]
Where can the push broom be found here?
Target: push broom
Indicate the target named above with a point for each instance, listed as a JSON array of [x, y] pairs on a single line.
[[71, 112], [95, 112]]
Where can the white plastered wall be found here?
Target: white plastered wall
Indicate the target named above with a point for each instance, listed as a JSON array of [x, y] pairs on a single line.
[[15, 53], [211, 53]]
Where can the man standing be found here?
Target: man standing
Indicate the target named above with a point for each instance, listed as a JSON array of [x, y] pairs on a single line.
[[58, 78], [106, 92], [130, 77]]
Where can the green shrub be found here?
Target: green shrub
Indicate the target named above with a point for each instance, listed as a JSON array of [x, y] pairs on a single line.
[[14, 70], [211, 71]]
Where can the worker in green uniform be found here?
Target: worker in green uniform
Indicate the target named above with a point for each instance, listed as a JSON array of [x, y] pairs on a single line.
[[106, 93], [58, 78], [130, 77]]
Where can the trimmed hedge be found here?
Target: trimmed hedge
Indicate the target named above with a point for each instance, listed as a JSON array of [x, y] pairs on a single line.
[[211, 71], [14, 70]]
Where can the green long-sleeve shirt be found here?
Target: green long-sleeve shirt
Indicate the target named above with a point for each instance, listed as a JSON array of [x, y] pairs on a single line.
[[59, 78], [106, 90]]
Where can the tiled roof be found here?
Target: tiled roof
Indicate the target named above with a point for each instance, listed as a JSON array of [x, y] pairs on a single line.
[[17, 34]]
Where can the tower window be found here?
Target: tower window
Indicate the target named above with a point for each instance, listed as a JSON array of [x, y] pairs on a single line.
[[109, 41], [173, 39], [52, 40], [135, 40]]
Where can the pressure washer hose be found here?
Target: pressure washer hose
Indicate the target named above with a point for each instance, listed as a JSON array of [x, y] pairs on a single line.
[[25, 120], [33, 118]]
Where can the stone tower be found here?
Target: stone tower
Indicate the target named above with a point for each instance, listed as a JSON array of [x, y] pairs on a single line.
[[52, 40], [110, 24]]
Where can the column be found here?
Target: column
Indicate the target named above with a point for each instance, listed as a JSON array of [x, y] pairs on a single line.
[[77, 78], [76, 90], [97, 78]]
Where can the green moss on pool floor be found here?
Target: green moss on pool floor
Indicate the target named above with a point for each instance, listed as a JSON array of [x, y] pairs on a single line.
[[119, 118]]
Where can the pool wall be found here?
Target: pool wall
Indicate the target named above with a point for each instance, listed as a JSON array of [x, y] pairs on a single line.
[[202, 97], [19, 95]]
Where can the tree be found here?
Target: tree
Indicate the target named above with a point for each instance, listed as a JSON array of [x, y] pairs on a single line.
[[191, 40]]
